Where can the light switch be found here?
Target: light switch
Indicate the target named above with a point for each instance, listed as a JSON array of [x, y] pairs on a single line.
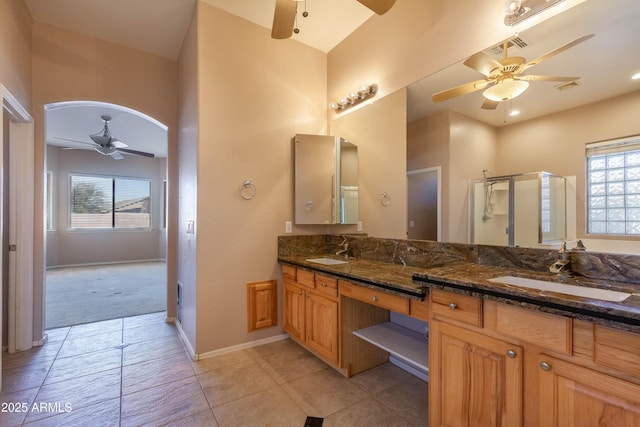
[[288, 227]]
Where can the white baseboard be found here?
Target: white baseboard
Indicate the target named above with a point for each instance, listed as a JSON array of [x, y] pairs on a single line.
[[186, 342], [242, 346], [97, 264]]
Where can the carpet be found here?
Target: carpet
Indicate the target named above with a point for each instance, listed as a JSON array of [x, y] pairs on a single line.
[[77, 295]]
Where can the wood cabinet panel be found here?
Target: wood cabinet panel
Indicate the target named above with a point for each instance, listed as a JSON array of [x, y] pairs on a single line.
[[305, 278], [374, 297], [327, 286], [542, 329], [419, 309], [262, 304], [322, 326], [294, 311], [617, 349], [288, 273], [474, 380], [463, 308], [574, 396]]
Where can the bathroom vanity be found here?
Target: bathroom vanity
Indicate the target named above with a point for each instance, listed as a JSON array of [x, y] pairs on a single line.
[[499, 354]]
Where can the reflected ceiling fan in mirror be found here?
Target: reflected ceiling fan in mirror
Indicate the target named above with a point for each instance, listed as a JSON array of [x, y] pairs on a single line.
[[108, 145], [504, 79], [284, 17]]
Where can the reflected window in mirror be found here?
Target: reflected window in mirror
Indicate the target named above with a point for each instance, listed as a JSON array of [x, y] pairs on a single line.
[[613, 190]]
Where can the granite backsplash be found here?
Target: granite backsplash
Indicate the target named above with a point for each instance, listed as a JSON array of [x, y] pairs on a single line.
[[428, 254]]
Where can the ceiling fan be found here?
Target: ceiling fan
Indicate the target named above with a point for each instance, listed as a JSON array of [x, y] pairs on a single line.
[[285, 15], [504, 79], [108, 145]]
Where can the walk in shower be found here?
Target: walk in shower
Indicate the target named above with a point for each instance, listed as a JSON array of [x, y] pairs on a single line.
[[518, 210]]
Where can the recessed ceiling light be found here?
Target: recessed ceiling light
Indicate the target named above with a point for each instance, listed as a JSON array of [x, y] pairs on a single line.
[[636, 76]]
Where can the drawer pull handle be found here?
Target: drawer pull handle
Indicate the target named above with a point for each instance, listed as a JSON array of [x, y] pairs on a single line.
[[374, 298], [545, 366], [511, 354], [324, 285], [453, 305]]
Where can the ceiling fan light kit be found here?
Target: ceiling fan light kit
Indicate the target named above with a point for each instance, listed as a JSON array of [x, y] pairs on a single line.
[[506, 90]]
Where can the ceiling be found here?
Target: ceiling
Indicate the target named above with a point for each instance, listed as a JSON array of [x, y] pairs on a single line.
[[159, 27], [604, 64]]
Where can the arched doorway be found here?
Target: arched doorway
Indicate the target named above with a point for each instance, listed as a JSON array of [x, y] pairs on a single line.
[[105, 212]]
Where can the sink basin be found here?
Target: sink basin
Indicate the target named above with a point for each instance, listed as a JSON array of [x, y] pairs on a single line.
[[327, 261], [561, 288]]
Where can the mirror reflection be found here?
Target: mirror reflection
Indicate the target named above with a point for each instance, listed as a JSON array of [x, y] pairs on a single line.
[[326, 180], [557, 116]]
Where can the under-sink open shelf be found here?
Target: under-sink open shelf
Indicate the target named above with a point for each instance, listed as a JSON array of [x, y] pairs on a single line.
[[405, 344]]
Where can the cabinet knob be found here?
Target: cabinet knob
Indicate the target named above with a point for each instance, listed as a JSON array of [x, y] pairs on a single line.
[[324, 285], [307, 295], [374, 298], [299, 292], [545, 366], [511, 354], [453, 305]]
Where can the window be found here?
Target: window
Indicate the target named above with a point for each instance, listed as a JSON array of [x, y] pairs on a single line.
[[613, 187], [49, 201], [106, 202]]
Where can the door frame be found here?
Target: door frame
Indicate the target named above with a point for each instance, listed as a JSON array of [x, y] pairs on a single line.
[[21, 222]]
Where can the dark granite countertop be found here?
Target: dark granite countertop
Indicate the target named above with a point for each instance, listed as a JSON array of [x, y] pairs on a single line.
[[474, 278], [393, 278]]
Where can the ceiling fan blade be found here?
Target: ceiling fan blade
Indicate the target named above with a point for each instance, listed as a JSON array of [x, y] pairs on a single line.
[[482, 63], [136, 152], [74, 140], [283, 19], [459, 90], [117, 156], [489, 104], [530, 78], [118, 144], [558, 50], [378, 6]]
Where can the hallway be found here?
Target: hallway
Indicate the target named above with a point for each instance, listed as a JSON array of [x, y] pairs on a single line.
[[134, 371]]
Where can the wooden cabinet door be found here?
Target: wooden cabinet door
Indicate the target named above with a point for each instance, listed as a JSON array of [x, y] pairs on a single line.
[[322, 326], [474, 380], [293, 311], [574, 396]]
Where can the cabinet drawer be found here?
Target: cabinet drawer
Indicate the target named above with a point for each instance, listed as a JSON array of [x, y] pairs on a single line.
[[546, 330], [305, 278], [326, 285], [374, 297], [288, 273], [463, 308], [617, 349], [419, 309]]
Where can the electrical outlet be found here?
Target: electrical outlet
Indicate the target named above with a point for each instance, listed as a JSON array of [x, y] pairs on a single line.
[[359, 226], [288, 226]]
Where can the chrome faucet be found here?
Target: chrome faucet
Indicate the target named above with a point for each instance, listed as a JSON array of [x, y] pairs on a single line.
[[563, 264], [345, 249]]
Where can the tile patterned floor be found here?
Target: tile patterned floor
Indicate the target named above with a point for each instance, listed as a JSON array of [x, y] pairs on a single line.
[[135, 372]]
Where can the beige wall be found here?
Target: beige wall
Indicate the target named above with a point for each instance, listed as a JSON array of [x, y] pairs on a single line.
[[68, 66], [380, 132], [66, 247], [254, 94], [15, 50]]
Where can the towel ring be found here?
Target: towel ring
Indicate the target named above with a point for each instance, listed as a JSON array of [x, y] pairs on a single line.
[[248, 190], [385, 199]]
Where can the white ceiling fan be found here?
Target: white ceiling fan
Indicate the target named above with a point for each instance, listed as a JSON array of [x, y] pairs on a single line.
[[504, 79], [285, 15], [108, 145]]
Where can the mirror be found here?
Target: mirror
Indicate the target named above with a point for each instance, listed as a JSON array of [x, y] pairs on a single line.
[[553, 126], [326, 180]]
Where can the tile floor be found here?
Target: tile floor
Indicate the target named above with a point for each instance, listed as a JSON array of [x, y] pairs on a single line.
[[135, 372]]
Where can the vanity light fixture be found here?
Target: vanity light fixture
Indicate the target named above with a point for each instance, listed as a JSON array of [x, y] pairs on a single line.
[[517, 11], [505, 90], [356, 97]]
